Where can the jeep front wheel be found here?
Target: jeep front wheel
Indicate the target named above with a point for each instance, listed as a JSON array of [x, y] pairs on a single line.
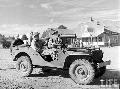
[[24, 66], [81, 71]]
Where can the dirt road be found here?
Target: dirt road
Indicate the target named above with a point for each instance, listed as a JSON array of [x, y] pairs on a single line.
[[9, 78]]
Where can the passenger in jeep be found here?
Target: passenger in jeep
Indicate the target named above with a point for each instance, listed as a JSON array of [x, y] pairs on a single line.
[[37, 44]]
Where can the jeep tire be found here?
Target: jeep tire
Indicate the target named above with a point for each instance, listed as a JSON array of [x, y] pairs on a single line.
[[81, 71], [24, 66]]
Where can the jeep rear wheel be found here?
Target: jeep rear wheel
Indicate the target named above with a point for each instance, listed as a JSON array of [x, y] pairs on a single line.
[[24, 66], [81, 71]]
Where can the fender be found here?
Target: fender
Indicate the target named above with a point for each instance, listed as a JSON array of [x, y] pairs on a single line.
[[34, 56], [74, 56]]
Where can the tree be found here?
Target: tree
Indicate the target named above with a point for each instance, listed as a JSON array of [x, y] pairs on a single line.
[[62, 27], [6, 44], [24, 37]]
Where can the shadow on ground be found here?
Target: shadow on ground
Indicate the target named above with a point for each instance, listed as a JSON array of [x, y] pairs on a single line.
[[49, 72], [109, 74]]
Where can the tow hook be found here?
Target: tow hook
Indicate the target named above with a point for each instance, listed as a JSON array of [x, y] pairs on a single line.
[[99, 65]]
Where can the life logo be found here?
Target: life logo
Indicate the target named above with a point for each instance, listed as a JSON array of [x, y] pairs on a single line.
[[110, 83]]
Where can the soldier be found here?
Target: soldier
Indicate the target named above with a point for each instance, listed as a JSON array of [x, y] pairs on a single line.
[[17, 41], [37, 44], [30, 38], [50, 43]]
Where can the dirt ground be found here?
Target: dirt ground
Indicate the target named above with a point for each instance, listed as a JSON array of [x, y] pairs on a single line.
[[57, 79]]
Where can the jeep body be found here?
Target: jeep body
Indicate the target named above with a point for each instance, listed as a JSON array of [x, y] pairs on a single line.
[[66, 58]]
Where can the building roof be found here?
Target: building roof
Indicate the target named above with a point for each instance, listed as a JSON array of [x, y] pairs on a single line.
[[56, 31], [113, 29], [98, 28], [65, 31]]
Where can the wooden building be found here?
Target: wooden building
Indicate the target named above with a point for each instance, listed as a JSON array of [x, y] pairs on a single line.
[[96, 32], [102, 38]]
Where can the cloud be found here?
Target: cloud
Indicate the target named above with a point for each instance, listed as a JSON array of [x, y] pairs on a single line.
[[82, 8], [14, 29], [106, 14], [31, 6], [72, 11], [56, 11], [51, 20], [45, 5], [9, 4], [95, 2]]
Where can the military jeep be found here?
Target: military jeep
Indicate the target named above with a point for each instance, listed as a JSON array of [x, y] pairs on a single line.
[[83, 64]]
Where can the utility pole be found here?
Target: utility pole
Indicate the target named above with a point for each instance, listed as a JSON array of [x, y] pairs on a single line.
[[91, 39]]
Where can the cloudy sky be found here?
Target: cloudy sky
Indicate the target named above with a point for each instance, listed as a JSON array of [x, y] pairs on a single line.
[[30, 12]]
